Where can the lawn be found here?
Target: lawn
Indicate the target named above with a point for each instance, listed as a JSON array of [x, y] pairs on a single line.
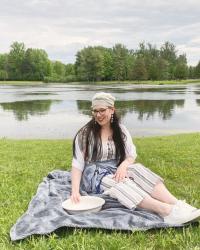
[[23, 164]]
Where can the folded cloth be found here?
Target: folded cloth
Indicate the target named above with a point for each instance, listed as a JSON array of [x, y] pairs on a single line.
[[45, 213]]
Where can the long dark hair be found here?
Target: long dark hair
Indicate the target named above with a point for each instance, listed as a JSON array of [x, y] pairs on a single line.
[[92, 129]]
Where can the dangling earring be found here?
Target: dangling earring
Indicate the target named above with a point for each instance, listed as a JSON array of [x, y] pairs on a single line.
[[95, 122], [111, 119]]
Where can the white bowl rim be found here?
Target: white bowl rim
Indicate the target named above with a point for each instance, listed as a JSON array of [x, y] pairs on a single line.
[[97, 202]]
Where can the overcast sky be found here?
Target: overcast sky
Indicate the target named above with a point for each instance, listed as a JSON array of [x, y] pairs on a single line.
[[62, 27]]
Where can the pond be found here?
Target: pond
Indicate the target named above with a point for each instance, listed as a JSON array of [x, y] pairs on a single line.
[[59, 110]]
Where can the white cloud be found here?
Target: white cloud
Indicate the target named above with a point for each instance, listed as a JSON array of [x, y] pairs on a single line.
[[62, 27]]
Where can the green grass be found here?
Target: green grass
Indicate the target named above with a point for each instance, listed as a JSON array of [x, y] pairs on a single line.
[[20, 82], [23, 164], [148, 82]]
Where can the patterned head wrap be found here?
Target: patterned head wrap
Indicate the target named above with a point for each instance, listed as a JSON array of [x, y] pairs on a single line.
[[103, 99]]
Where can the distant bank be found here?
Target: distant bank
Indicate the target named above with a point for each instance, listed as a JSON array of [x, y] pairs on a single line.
[[147, 82]]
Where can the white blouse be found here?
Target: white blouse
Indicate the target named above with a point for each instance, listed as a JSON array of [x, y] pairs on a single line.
[[108, 149]]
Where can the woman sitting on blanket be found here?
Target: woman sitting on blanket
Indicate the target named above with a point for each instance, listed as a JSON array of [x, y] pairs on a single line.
[[103, 139]]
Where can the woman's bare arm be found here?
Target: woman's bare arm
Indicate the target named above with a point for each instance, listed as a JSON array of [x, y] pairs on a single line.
[[76, 179]]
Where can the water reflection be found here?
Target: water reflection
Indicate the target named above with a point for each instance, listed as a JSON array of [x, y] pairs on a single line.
[[145, 109], [39, 93], [58, 111], [198, 102], [23, 109]]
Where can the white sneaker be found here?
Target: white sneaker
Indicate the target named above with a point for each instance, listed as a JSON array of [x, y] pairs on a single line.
[[183, 203], [181, 215]]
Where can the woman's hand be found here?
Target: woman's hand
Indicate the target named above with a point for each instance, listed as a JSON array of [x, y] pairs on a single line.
[[75, 197], [121, 172]]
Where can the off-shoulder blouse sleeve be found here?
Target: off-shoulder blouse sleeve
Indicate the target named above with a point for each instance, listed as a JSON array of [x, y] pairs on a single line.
[[78, 161], [129, 146]]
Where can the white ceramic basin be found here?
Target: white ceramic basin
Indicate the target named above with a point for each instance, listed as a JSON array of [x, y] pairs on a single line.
[[87, 204]]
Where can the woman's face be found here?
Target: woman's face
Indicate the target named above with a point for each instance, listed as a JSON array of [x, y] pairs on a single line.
[[102, 115]]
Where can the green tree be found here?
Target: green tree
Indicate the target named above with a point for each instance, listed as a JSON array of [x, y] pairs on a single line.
[[197, 70], [89, 64], [120, 62], [3, 75], [70, 73], [3, 67], [107, 72], [140, 71], [168, 52], [36, 65], [162, 69], [130, 65], [191, 72], [181, 69], [58, 69], [156, 66], [69, 69], [15, 61], [153, 73]]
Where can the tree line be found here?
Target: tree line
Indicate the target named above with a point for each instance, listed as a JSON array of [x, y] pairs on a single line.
[[98, 63]]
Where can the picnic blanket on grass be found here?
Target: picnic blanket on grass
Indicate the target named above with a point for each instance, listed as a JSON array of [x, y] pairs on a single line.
[[45, 213]]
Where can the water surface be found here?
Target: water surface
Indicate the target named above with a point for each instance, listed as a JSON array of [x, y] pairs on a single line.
[[58, 111]]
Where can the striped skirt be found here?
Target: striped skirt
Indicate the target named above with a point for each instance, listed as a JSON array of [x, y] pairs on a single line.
[[130, 192]]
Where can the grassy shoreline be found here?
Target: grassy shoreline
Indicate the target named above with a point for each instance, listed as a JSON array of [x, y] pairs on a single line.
[[20, 82], [163, 82], [23, 164]]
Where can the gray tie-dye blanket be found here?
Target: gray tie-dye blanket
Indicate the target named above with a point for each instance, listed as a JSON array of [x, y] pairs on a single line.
[[45, 213]]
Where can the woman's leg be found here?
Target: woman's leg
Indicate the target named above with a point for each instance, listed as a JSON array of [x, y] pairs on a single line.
[[172, 214], [161, 193], [149, 203], [151, 183], [131, 195]]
